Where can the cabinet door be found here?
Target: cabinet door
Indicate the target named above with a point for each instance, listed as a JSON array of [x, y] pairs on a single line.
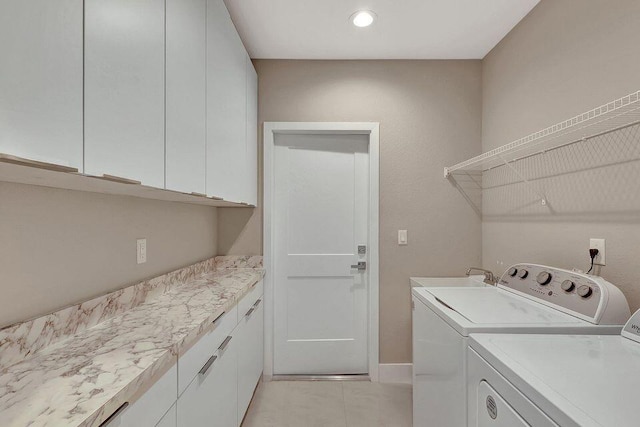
[[41, 80], [124, 89], [211, 398], [152, 406], [226, 105], [250, 356], [170, 418], [190, 362], [251, 179], [186, 95]]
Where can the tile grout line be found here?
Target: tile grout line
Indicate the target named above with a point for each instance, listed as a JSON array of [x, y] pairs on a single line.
[[344, 405]]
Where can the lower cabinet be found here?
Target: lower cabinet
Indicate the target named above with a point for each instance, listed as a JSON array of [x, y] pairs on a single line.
[[220, 393], [151, 408], [213, 381], [211, 398], [170, 418], [250, 356]]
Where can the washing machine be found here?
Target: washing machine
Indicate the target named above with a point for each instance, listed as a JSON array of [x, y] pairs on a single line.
[[528, 299], [555, 380]]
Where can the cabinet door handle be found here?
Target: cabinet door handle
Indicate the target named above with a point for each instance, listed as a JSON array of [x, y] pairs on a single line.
[[207, 365], [215, 321], [8, 158], [249, 312], [225, 343], [113, 416], [120, 179], [257, 303]]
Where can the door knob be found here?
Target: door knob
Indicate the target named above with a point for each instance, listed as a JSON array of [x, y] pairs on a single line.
[[360, 266]]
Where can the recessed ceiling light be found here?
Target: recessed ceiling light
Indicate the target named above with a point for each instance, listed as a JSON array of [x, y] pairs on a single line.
[[363, 18]]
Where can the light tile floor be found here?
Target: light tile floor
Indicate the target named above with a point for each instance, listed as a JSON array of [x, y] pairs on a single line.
[[329, 404]]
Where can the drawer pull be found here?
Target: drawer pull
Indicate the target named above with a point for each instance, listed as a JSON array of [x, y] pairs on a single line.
[[119, 179], [113, 416], [225, 343], [215, 321], [207, 365], [249, 312], [257, 303], [8, 158]]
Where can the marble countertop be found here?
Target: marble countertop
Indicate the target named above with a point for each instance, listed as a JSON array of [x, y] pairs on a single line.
[[82, 379]]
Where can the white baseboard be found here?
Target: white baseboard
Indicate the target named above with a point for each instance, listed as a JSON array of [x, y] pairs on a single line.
[[395, 373]]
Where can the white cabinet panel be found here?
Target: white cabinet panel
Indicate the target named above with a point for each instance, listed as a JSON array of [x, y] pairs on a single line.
[[193, 359], [250, 299], [170, 418], [150, 408], [211, 398], [124, 89], [41, 80], [251, 178], [186, 95], [226, 105], [250, 355]]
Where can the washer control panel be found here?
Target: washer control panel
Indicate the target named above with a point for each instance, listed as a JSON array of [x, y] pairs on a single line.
[[632, 329], [571, 292]]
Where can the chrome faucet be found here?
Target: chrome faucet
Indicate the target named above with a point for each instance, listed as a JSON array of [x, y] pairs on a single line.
[[489, 277]]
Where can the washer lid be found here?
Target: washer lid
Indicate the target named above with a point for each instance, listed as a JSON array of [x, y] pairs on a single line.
[[585, 380], [491, 306]]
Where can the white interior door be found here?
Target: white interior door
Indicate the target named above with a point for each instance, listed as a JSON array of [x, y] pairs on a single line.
[[321, 216]]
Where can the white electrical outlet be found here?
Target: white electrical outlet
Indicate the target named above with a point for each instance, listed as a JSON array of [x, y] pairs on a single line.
[[599, 245], [402, 237], [141, 251]]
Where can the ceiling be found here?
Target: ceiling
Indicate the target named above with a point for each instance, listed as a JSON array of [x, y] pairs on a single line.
[[404, 29]]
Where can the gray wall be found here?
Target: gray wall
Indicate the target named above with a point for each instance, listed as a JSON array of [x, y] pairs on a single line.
[[59, 247], [429, 114], [565, 57]]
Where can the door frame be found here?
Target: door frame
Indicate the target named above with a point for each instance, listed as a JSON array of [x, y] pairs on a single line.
[[372, 130]]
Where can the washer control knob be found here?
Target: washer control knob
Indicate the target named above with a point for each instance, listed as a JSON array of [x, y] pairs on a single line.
[[544, 278], [512, 272], [568, 286], [585, 291], [523, 274]]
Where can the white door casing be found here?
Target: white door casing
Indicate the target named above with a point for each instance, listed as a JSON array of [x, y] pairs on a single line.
[[321, 202]]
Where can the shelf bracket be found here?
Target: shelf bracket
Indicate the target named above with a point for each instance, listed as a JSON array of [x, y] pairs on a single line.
[[543, 198]]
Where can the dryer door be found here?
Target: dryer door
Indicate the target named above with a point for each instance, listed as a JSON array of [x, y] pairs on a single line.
[[494, 411]]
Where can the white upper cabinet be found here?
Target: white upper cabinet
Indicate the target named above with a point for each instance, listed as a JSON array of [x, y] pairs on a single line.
[[251, 177], [41, 80], [186, 95], [157, 91], [226, 106], [124, 89]]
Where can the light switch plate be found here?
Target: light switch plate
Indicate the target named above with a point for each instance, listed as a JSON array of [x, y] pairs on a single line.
[[599, 245], [141, 251], [402, 237]]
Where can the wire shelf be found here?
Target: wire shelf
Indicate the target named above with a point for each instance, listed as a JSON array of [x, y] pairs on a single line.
[[607, 118]]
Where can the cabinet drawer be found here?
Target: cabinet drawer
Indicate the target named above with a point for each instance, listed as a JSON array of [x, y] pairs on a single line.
[[190, 363], [211, 399], [150, 408], [170, 419], [250, 299], [250, 357]]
